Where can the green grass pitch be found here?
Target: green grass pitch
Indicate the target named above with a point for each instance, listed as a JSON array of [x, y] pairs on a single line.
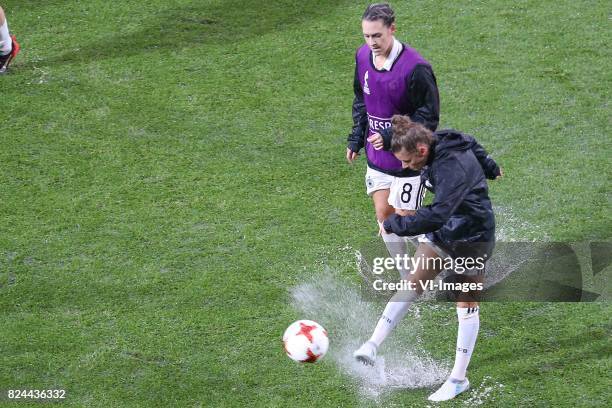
[[171, 169]]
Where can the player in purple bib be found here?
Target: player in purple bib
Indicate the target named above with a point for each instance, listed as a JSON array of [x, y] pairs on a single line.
[[390, 78], [389, 92]]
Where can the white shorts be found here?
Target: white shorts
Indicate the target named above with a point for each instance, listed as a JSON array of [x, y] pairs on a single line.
[[406, 193], [423, 239], [376, 180]]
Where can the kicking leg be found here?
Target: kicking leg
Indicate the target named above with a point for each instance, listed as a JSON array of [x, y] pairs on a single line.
[[396, 245], [399, 304]]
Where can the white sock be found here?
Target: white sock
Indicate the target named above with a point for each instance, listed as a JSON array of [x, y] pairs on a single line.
[[6, 44], [396, 246], [469, 323], [395, 311]]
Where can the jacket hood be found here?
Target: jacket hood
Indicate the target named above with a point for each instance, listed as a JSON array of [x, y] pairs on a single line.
[[449, 139]]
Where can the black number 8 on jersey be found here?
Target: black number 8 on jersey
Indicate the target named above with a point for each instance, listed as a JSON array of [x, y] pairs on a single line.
[[406, 193]]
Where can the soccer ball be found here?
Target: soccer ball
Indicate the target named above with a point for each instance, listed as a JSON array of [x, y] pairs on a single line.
[[305, 341]]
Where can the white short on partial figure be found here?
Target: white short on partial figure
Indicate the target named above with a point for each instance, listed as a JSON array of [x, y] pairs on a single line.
[[406, 193], [377, 180]]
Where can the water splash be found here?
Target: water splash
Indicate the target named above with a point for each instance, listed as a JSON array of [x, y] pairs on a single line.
[[510, 228], [486, 392], [402, 363]]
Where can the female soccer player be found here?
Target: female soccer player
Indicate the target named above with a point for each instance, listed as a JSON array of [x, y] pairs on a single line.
[[458, 224]]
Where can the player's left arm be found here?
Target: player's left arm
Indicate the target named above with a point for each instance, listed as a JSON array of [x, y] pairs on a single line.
[[491, 169], [424, 97]]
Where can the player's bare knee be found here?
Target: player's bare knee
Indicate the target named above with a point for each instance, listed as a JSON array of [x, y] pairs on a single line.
[[467, 304], [404, 213]]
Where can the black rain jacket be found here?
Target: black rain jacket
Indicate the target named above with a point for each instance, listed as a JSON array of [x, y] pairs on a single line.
[[461, 212]]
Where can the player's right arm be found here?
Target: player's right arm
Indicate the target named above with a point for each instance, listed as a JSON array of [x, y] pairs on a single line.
[[356, 139]]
